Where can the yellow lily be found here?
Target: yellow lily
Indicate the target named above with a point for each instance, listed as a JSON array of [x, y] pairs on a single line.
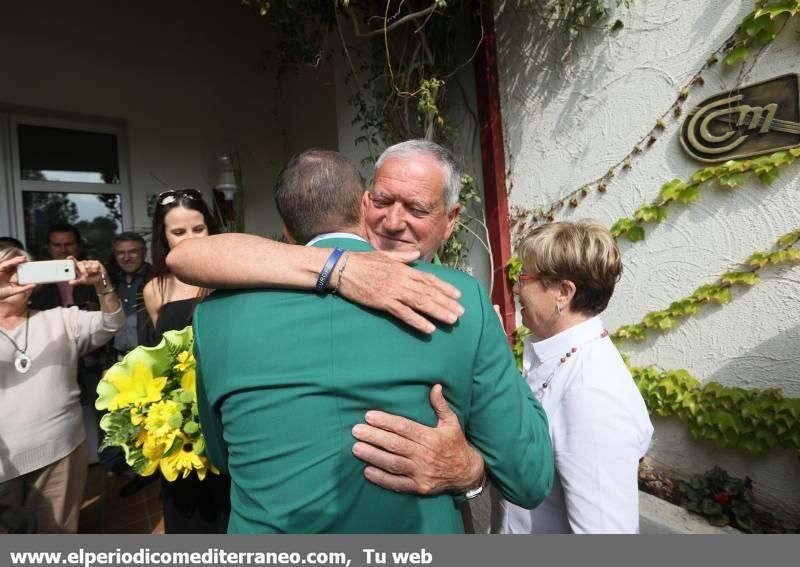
[[185, 361], [189, 381], [137, 387]]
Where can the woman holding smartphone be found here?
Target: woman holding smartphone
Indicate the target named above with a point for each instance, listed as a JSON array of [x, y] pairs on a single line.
[[43, 457], [190, 505]]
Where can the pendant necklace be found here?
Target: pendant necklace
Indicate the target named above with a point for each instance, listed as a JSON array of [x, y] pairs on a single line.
[[567, 355], [22, 362]]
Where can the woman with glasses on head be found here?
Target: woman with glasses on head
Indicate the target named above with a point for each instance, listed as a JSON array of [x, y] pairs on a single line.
[[599, 424], [190, 505]]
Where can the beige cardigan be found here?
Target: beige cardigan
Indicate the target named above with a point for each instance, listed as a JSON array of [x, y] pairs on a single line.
[[40, 414]]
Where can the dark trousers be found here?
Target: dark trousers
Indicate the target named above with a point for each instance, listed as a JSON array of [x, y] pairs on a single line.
[[194, 506]]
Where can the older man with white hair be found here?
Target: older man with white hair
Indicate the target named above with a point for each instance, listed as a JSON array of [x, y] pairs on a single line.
[[410, 210]]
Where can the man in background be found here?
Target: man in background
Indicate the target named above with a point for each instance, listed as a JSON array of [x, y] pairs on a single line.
[[129, 272]]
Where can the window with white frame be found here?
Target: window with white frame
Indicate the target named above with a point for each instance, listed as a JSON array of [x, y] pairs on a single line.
[[55, 170]]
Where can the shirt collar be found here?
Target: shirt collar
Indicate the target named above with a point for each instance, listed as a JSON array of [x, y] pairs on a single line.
[[557, 345], [334, 235]]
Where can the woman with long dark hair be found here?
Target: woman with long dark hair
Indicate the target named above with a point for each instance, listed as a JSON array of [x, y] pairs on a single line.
[[190, 505]]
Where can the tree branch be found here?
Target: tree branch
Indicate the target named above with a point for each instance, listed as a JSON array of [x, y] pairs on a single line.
[[387, 28]]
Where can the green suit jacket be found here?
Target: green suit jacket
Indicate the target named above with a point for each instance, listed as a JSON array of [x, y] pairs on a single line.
[[284, 375]]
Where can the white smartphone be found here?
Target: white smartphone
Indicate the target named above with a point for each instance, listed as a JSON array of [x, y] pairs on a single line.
[[48, 271]]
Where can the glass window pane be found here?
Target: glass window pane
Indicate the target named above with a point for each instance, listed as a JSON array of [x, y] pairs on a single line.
[[98, 216], [59, 154]]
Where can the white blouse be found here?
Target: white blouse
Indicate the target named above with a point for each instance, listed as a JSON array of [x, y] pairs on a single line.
[[600, 428]]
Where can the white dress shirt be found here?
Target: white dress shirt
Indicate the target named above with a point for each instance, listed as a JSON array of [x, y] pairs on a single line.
[[600, 428]]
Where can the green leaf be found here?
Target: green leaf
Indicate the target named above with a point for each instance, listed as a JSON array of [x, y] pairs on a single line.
[[738, 53], [759, 259], [688, 194], [768, 176], [789, 239], [634, 332], [671, 189], [514, 268], [651, 213], [622, 226], [739, 278], [774, 10], [731, 180], [659, 320], [635, 234], [702, 175], [781, 158]]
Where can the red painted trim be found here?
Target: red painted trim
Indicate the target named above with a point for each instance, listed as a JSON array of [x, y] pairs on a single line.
[[493, 159]]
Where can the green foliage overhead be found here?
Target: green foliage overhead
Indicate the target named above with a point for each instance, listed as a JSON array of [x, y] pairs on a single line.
[[760, 27]]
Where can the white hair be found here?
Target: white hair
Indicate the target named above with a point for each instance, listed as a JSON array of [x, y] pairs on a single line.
[[448, 164]]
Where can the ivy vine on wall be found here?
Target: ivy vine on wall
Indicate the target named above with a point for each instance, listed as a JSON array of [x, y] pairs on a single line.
[[719, 292], [729, 175]]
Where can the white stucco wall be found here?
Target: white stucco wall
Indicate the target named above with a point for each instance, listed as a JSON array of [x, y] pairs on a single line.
[[188, 79], [568, 120]]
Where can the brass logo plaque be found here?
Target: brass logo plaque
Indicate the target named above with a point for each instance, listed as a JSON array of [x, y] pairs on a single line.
[[752, 120]]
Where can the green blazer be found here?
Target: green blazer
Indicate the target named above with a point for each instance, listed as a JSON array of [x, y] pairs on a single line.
[[284, 375]]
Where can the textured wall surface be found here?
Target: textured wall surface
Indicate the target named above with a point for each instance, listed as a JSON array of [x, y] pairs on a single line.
[[571, 112]]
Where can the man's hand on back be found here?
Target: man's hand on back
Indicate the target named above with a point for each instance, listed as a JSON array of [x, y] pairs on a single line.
[[375, 280], [405, 456]]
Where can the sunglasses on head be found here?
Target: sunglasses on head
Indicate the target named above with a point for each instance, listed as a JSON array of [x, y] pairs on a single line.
[[172, 195]]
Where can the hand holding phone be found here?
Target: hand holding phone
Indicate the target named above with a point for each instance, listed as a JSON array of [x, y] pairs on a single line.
[[8, 278], [48, 271]]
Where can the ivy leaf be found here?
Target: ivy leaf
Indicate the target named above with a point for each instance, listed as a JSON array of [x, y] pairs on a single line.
[[514, 268], [759, 259], [733, 166], [671, 189], [722, 296], [688, 194], [775, 10], [651, 213], [781, 158], [791, 256], [659, 320], [789, 239], [622, 226], [794, 152], [738, 53], [684, 307], [635, 234], [633, 332], [731, 180], [702, 175], [768, 176], [740, 278], [756, 23]]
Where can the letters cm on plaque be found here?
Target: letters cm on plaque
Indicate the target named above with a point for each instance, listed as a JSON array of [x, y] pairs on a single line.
[[751, 120]]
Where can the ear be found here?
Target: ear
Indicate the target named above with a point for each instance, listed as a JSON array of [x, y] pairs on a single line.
[[288, 236], [566, 291], [452, 217]]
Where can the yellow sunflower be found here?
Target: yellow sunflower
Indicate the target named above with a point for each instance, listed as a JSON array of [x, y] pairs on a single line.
[[183, 461]]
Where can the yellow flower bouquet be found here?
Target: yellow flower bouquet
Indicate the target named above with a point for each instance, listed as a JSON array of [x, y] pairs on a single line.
[[152, 409]]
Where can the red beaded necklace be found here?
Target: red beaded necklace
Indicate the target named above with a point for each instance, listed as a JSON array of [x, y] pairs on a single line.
[[567, 355]]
